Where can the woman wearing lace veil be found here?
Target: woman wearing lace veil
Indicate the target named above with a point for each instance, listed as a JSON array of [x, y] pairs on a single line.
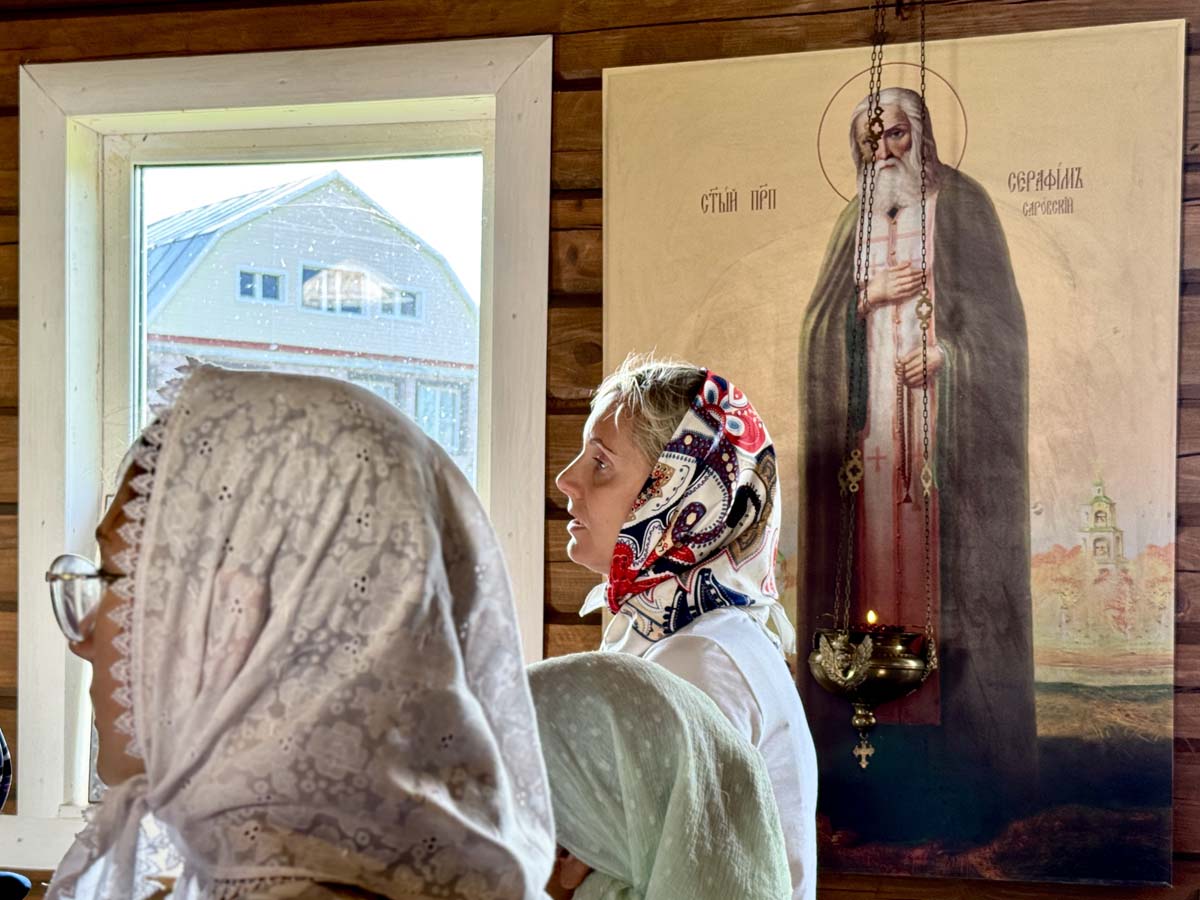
[[307, 673]]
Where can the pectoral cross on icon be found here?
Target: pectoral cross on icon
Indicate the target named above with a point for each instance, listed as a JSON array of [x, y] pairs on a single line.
[[876, 458], [864, 751]]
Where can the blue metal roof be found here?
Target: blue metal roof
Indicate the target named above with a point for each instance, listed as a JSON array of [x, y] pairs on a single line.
[[175, 243]]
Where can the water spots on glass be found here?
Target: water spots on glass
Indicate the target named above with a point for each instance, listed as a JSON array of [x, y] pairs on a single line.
[[322, 269]]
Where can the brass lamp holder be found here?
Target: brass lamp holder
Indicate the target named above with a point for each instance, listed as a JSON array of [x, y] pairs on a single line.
[[868, 667]]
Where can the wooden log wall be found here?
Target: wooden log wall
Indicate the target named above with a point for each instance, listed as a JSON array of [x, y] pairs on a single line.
[[590, 36]]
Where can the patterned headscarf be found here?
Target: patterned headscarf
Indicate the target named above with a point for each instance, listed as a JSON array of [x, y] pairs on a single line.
[[326, 671], [652, 787], [704, 530]]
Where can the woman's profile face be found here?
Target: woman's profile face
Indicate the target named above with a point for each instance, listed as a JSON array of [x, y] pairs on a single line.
[[113, 765], [601, 484]]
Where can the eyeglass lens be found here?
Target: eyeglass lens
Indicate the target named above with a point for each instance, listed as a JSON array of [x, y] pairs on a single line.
[[75, 593]]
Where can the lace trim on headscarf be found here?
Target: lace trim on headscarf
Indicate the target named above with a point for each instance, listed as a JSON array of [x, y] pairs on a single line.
[[143, 458]]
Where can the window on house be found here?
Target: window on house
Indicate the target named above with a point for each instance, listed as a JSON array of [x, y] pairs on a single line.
[[439, 412], [260, 286], [334, 290], [398, 303]]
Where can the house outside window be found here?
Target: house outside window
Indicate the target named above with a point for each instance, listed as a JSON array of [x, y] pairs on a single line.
[[372, 330]]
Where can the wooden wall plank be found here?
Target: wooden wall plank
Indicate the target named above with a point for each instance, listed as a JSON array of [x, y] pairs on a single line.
[[574, 358], [10, 154], [8, 649], [170, 30], [1187, 718], [582, 57], [8, 561], [576, 121], [559, 640], [9, 329], [8, 277], [570, 210], [1190, 251], [576, 261], [1187, 599], [1187, 666], [576, 170], [1189, 429], [8, 457], [1187, 547]]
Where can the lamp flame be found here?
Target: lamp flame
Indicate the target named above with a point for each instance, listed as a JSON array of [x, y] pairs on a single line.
[[871, 617]]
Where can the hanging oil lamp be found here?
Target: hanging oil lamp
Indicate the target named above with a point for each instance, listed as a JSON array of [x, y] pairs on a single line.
[[872, 663]]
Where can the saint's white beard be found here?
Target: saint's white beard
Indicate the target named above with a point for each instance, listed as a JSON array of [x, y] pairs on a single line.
[[899, 185]]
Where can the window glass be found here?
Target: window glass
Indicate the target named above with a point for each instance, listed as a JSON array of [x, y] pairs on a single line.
[[408, 305], [373, 243], [270, 287]]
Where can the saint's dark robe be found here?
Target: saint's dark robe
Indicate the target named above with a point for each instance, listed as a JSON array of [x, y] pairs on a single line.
[[966, 777]]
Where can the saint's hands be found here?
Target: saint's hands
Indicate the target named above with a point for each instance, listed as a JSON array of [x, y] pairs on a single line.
[[909, 366], [893, 285]]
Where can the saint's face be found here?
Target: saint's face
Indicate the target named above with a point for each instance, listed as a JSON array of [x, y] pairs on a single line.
[[896, 141], [601, 485]]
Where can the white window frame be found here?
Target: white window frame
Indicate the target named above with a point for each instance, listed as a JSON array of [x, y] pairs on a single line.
[[66, 111], [258, 272]]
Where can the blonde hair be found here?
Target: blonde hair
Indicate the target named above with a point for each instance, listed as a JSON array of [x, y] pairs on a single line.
[[655, 393]]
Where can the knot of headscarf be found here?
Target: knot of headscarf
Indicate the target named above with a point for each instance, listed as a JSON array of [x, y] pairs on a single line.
[[704, 529]]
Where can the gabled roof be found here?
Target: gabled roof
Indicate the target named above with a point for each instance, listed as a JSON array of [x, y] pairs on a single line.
[[174, 245]]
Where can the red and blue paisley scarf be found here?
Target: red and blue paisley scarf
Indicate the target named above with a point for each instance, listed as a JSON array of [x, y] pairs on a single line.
[[703, 532]]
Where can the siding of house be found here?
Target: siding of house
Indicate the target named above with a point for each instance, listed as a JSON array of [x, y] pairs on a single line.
[[328, 227], [592, 35]]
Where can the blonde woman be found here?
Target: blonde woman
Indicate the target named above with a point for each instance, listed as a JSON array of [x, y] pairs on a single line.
[[674, 499]]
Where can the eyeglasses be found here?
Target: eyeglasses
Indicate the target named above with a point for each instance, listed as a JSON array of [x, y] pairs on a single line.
[[76, 588]]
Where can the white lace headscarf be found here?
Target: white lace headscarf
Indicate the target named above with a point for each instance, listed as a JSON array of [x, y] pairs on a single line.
[[326, 670]]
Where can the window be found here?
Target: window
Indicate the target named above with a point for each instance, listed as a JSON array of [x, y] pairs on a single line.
[[398, 303], [334, 290], [264, 286], [439, 413], [92, 135]]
